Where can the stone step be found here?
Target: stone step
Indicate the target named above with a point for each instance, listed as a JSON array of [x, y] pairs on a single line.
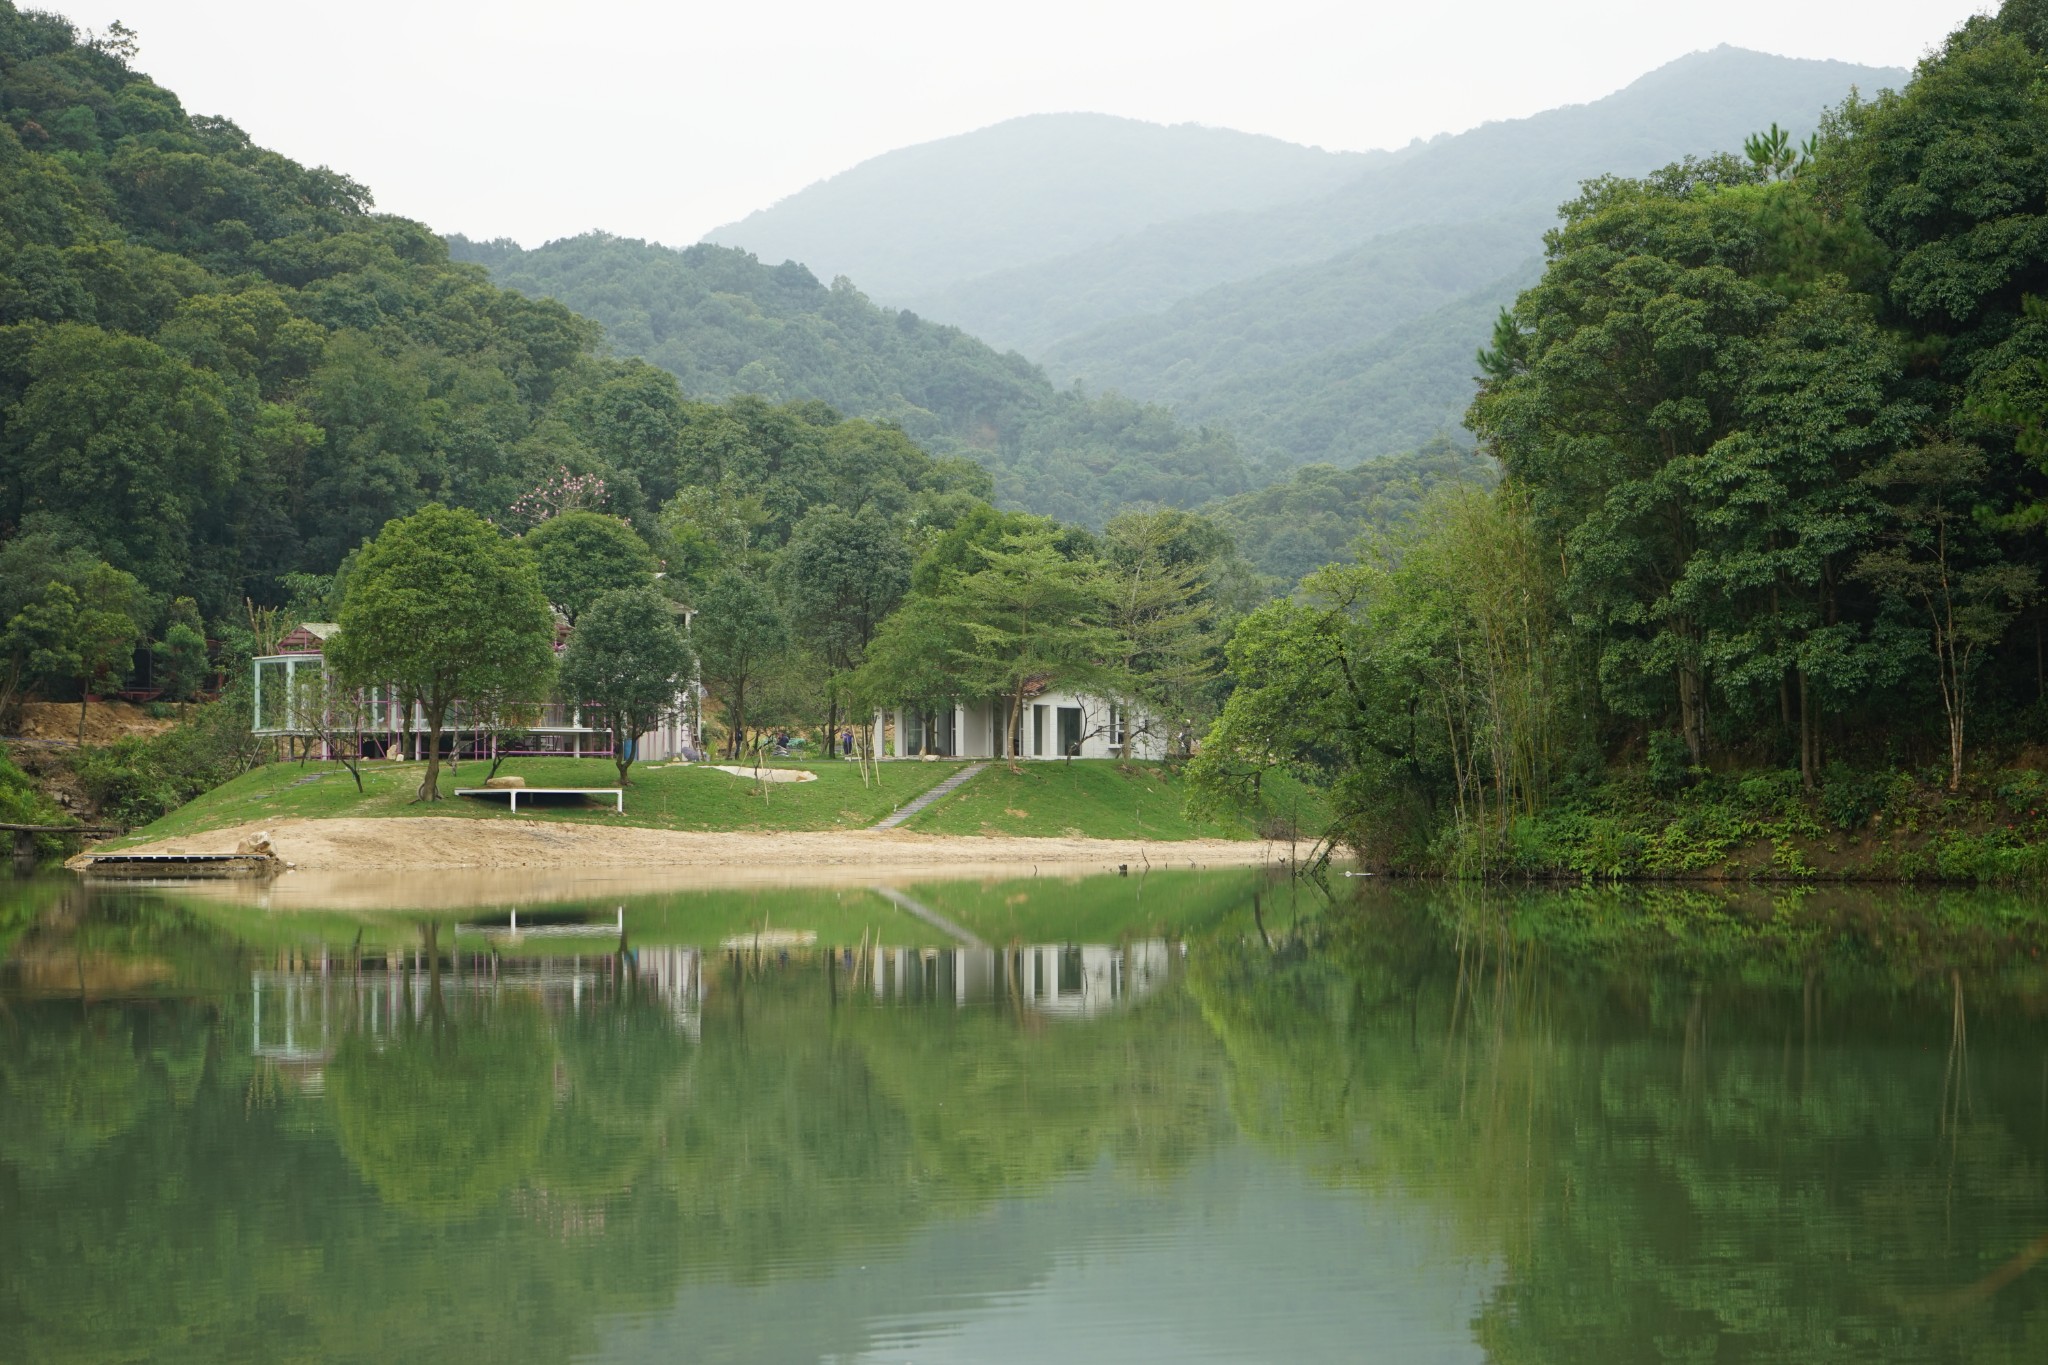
[[946, 788]]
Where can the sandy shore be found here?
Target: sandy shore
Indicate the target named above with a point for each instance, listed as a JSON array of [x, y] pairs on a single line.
[[385, 852]]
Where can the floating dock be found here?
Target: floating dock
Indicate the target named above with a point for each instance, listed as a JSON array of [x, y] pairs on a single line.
[[179, 866]]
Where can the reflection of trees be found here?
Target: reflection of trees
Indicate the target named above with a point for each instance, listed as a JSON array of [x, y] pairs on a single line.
[[63, 1094], [1683, 1133], [998, 1101], [622, 1072], [448, 1112], [1667, 1159]]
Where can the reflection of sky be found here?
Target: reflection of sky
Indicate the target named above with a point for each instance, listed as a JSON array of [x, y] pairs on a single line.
[[1238, 1260]]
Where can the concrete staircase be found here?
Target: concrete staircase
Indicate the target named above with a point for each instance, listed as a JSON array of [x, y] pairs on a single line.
[[944, 789]]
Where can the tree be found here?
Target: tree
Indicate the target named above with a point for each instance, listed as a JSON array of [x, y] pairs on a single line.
[[739, 634], [498, 716], [1929, 565], [335, 714], [1157, 605], [81, 633], [583, 555], [627, 662], [842, 574], [440, 606], [1030, 615], [181, 658]]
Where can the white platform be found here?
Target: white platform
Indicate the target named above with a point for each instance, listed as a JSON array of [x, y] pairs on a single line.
[[617, 793]]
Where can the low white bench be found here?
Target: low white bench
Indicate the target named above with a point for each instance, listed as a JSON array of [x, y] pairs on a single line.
[[617, 793]]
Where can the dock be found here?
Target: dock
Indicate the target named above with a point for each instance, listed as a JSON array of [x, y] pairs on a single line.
[[179, 866]]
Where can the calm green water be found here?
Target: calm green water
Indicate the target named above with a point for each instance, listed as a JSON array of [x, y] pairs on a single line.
[[1186, 1118]]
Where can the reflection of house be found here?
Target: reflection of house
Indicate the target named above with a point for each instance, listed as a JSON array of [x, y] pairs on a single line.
[[1061, 979], [388, 729], [300, 1011], [1052, 724], [675, 976]]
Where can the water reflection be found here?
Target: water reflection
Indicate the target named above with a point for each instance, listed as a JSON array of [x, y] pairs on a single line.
[[1414, 1125]]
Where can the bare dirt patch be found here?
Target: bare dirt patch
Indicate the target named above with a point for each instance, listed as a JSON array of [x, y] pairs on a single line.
[[105, 721], [437, 843]]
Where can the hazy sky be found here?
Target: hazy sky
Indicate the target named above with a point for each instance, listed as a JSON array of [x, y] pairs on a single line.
[[664, 120]]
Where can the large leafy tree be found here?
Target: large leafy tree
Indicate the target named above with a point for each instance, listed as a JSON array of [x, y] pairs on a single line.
[[1158, 605], [741, 637], [842, 574], [1625, 364], [626, 664], [1030, 615], [583, 555], [439, 606]]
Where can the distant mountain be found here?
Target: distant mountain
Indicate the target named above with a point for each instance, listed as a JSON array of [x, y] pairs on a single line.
[[1517, 171], [1030, 189], [1407, 386], [1330, 315], [723, 323]]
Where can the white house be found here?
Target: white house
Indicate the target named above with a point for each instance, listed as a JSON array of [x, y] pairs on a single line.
[[1053, 724], [558, 728]]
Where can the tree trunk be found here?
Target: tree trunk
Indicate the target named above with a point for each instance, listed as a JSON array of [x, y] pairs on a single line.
[[83, 698], [1691, 716], [430, 785], [1955, 746], [1809, 743], [1009, 735], [621, 755]]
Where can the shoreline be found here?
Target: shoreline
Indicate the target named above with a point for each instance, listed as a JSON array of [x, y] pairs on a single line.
[[426, 843]]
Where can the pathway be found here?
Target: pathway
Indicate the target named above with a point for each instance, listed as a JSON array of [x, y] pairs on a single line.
[[946, 788], [928, 915]]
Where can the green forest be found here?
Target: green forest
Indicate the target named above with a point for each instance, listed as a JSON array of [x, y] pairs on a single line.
[[1744, 576], [1764, 562], [725, 324]]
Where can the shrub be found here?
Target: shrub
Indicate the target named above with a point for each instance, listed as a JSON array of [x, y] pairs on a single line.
[[135, 780], [1670, 763], [23, 803]]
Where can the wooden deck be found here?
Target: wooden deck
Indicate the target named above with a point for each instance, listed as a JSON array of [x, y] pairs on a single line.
[[180, 866], [618, 794]]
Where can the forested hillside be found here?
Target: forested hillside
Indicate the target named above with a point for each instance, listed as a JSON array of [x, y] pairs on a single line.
[[1765, 565], [1316, 515], [724, 323], [218, 367], [912, 220]]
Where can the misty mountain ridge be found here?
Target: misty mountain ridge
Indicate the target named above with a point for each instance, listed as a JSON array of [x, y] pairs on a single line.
[[1023, 190], [1519, 169], [1332, 321]]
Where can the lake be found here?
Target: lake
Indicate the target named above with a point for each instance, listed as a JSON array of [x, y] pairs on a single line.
[[1174, 1117]]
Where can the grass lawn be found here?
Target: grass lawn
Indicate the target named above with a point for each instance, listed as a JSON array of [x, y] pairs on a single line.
[[659, 797], [701, 919], [1100, 798]]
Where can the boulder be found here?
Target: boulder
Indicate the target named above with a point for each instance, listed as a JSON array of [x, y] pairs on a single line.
[[502, 784], [257, 844]]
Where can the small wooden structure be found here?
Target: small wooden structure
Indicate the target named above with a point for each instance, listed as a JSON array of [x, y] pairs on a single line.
[[617, 793], [154, 866]]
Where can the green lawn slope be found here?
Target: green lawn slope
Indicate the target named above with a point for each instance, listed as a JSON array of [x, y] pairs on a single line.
[[659, 797], [1102, 799]]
